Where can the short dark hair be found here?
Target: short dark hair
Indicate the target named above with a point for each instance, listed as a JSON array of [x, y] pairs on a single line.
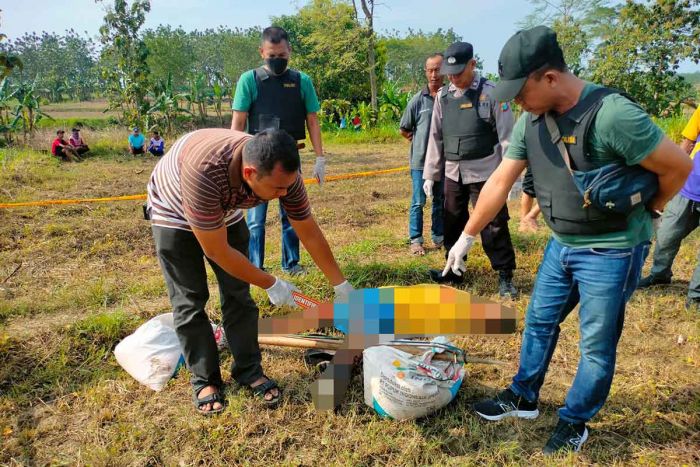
[[435, 54], [275, 35], [155, 132], [58, 132], [556, 64], [269, 148]]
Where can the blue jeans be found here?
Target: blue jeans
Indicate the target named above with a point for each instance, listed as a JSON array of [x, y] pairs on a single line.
[[601, 280], [681, 217], [256, 249], [415, 218]]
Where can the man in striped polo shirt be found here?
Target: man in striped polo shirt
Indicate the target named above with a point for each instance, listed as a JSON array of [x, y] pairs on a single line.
[[195, 197]]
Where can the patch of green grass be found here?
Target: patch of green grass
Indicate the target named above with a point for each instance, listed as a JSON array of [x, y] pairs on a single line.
[[672, 126], [89, 277], [381, 134], [62, 362], [94, 123]]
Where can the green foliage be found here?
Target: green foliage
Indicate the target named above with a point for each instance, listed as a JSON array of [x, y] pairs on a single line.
[[381, 133], [332, 110], [643, 50], [8, 62], [637, 47], [63, 65], [577, 25], [9, 125], [392, 102], [27, 112], [124, 58], [171, 54], [406, 55], [165, 105], [673, 126], [222, 55], [692, 78], [329, 45]]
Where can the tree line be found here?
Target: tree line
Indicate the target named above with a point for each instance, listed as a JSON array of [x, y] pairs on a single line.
[[157, 76]]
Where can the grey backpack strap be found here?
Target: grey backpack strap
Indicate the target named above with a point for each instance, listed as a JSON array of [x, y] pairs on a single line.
[[555, 135]]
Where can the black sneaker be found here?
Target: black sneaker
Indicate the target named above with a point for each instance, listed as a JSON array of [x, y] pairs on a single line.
[[506, 289], [651, 279], [566, 437], [449, 278], [506, 404]]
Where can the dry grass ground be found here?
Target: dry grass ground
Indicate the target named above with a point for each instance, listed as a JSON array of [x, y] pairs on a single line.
[[87, 277]]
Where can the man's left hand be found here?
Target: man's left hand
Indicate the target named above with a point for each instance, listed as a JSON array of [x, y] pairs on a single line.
[[320, 169]]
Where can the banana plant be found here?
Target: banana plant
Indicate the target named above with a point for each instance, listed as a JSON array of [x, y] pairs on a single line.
[[28, 109], [197, 95], [364, 111], [165, 103], [219, 95], [8, 125], [392, 102]]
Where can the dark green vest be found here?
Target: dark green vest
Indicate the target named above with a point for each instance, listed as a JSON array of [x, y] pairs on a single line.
[[561, 203], [467, 132], [279, 97]]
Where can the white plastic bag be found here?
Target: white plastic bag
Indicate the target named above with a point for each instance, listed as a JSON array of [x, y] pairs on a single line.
[[152, 353], [404, 386]]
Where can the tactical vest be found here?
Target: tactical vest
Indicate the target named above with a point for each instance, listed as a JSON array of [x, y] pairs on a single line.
[[559, 199], [279, 99], [467, 132]]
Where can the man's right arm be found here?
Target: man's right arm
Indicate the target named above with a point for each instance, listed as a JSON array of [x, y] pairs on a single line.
[[407, 126], [216, 247], [239, 120], [242, 100], [672, 167]]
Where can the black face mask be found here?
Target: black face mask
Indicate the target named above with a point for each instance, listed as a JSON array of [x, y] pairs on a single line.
[[276, 65]]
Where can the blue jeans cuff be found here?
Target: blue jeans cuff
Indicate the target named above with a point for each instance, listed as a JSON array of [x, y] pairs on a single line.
[[520, 392]]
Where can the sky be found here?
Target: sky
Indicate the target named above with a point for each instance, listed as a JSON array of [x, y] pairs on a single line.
[[487, 24]]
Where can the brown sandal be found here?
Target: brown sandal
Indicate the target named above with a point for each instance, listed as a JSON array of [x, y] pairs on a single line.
[[417, 249]]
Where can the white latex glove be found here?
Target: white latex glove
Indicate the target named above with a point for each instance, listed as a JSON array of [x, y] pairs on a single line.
[[455, 258], [342, 291], [281, 293], [320, 169], [428, 188]]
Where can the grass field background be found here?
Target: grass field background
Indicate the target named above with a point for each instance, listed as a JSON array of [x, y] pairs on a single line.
[[75, 280]]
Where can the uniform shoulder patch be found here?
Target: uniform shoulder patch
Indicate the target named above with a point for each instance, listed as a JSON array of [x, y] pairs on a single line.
[[505, 107]]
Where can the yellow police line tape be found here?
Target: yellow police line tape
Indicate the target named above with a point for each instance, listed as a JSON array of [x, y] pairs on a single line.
[[307, 181]]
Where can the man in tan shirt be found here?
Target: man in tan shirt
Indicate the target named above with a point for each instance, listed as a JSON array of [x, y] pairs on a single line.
[[469, 133]]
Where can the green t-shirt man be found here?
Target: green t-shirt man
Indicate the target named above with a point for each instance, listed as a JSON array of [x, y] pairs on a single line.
[[621, 132], [247, 93]]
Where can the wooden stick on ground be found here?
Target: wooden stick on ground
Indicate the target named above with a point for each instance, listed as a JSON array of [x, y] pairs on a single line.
[[330, 343]]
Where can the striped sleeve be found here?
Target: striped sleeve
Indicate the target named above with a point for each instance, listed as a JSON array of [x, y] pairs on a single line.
[[296, 201], [201, 197]]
